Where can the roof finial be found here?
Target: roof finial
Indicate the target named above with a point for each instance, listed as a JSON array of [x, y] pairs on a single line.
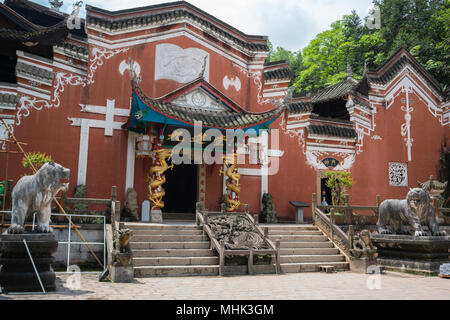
[[56, 4], [349, 71], [202, 73]]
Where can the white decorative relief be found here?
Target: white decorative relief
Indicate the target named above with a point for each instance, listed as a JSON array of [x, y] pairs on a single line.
[[199, 99], [124, 65], [62, 79], [85, 123], [256, 76], [313, 159], [182, 65], [4, 133], [231, 82], [398, 174], [406, 127]]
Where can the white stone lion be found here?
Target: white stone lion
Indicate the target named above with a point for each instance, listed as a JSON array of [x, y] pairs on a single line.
[[35, 194]]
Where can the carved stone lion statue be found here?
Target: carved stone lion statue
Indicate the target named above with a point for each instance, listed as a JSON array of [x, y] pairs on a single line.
[[407, 216], [35, 194], [363, 247], [122, 254]]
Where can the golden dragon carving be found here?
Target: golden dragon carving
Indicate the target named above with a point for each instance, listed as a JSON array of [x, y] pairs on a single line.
[[232, 183], [157, 179]]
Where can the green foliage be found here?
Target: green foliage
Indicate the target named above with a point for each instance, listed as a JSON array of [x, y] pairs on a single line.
[[280, 53], [339, 182], [36, 158], [420, 26]]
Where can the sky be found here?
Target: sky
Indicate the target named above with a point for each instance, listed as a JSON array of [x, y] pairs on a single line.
[[288, 23]]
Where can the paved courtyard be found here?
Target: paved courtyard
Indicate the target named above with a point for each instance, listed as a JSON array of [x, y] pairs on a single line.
[[300, 286]]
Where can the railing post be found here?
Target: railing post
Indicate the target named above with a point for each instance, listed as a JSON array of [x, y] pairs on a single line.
[[331, 223], [349, 210], [256, 218], [313, 206], [223, 208], [351, 234], [114, 193], [250, 261], [221, 257], [277, 258], [266, 233], [118, 211], [246, 209], [378, 203]]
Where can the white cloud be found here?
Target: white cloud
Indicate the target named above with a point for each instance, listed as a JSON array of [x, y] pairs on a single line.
[[288, 23]]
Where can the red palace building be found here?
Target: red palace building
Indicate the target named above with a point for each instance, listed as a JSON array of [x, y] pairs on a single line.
[[91, 92]]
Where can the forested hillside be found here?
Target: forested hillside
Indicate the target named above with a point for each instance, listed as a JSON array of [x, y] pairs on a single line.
[[420, 26]]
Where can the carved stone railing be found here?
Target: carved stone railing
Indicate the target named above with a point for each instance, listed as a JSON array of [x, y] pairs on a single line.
[[336, 235], [203, 217]]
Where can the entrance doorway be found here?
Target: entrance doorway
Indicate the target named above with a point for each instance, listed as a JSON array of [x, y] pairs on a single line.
[[325, 192], [181, 189]]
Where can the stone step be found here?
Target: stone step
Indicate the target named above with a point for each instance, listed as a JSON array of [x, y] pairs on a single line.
[[290, 227], [181, 238], [306, 244], [173, 253], [311, 258], [155, 226], [163, 232], [308, 251], [175, 261], [175, 271], [170, 245], [312, 266], [273, 233], [302, 238]]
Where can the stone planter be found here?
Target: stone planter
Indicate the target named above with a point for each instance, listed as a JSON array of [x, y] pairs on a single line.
[[17, 273]]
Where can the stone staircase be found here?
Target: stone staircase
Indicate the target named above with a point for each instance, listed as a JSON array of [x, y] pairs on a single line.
[[305, 248], [171, 251]]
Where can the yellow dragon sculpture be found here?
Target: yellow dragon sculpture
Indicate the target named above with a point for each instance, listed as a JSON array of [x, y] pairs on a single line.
[[232, 182], [157, 179]]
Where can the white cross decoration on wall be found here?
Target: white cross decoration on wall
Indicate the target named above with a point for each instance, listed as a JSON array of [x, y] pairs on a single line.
[[85, 123]]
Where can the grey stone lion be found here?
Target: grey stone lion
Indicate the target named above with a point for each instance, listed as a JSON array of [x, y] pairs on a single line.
[[407, 216], [34, 194]]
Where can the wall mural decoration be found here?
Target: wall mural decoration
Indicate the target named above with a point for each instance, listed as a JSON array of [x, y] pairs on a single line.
[[231, 82], [256, 76], [398, 174], [62, 79], [199, 98], [181, 65], [4, 134]]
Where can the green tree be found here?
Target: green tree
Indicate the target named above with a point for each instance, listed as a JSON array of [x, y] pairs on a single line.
[[36, 158], [280, 53], [339, 182]]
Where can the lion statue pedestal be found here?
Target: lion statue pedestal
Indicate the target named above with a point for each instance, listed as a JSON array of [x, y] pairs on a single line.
[[17, 273], [403, 242]]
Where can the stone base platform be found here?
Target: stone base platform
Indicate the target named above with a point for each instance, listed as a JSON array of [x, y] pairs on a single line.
[[409, 254], [17, 273]]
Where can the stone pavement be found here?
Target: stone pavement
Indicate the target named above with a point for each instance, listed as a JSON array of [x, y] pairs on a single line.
[[298, 286]]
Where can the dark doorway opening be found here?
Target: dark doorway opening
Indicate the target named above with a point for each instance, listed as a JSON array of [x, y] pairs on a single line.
[[181, 189], [325, 192]]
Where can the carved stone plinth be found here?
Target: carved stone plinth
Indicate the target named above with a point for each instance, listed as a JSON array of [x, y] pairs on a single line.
[[122, 274], [17, 273], [420, 255], [363, 265], [156, 216]]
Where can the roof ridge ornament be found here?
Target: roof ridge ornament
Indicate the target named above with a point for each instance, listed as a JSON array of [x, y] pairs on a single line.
[[349, 72], [202, 72], [56, 4]]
